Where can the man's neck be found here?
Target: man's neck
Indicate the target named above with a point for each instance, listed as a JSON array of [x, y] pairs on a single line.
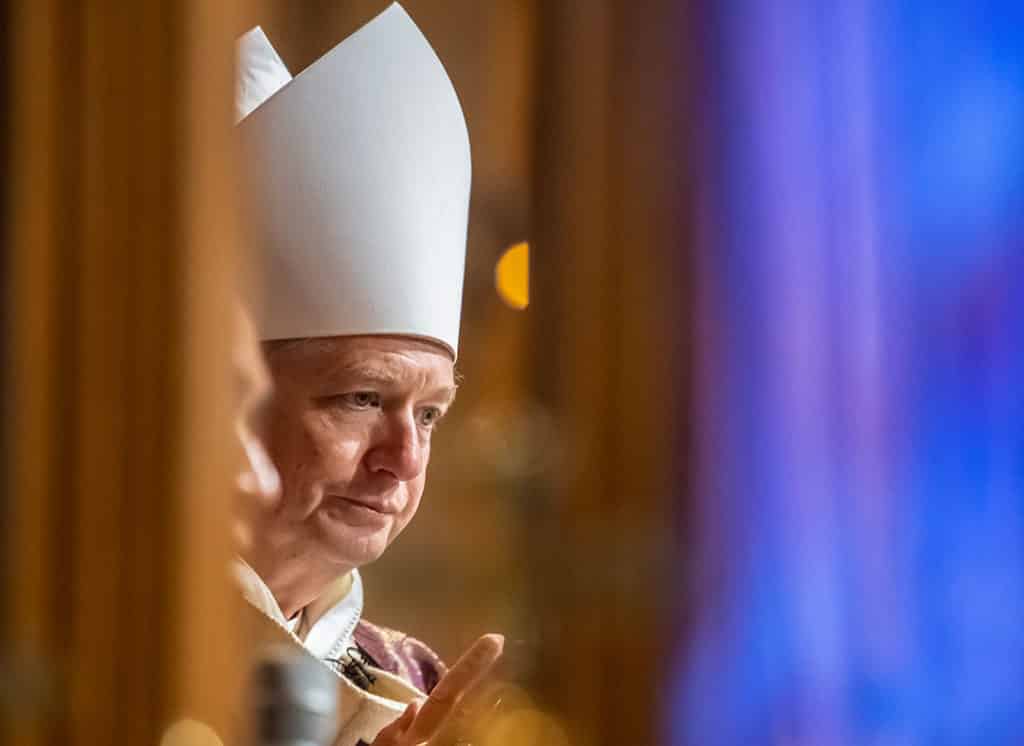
[[297, 586], [323, 603]]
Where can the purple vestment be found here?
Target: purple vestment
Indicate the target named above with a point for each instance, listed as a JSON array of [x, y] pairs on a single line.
[[401, 655]]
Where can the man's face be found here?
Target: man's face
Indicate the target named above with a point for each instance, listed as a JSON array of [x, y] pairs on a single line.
[[349, 430]]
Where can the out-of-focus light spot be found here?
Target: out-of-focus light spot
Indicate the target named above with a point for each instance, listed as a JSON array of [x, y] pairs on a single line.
[[512, 276], [526, 728], [190, 733], [512, 698]]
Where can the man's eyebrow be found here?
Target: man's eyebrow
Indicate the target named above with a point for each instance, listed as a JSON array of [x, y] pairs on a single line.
[[366, 373], [385, 377]]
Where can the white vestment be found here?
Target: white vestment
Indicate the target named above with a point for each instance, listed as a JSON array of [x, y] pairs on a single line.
[[361, 714]]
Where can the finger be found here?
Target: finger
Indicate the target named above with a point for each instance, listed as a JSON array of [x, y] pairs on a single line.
[[469, 669], [408, 716], [472, 711], [392, 734], [473, 714]]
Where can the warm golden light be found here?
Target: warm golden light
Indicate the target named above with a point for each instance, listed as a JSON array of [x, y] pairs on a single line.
[[190, 733], [512, 276], [527, 728]]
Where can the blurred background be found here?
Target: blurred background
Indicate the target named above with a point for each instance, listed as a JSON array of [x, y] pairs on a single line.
[[747, 468]]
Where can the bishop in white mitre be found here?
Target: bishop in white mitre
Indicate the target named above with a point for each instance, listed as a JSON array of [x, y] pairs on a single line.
[[359, 173]]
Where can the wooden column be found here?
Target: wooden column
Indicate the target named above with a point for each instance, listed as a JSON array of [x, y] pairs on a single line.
[[119, 284]]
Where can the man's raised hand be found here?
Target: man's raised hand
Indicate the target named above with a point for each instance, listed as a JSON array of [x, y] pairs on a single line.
[[423, 721]]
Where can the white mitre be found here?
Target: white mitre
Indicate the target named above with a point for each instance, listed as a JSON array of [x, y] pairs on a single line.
[[360, 175]]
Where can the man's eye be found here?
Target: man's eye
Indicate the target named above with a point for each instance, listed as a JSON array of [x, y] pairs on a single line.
[[361, 399], [430, 416]]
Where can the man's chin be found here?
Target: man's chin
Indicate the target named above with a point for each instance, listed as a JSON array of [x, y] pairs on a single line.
[[350, 544]]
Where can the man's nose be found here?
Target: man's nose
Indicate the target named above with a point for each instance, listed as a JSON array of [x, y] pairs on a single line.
[[397, 448]]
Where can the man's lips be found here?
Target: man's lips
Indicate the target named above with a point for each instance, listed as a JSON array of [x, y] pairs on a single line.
[[383, 507]]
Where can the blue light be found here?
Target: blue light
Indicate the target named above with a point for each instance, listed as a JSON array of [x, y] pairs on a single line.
[[863, 402]]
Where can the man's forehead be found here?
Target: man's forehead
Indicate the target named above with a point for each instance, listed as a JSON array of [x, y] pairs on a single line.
[[385, 359]]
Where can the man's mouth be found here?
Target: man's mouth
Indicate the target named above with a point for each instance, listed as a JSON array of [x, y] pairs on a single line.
[[381, 507]]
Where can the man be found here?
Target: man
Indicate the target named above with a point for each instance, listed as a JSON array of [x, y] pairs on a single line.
[[258, 489], [361, 174]]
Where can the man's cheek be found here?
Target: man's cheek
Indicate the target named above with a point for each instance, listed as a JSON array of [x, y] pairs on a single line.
[[403, 519], [415, 495], [338, 446], [298, 497]]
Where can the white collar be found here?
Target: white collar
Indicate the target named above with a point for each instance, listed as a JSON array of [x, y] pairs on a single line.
[[330, 636]]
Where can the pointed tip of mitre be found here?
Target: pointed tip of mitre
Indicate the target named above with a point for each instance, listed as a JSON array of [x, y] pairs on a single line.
[[260, 72], [361, 176]]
